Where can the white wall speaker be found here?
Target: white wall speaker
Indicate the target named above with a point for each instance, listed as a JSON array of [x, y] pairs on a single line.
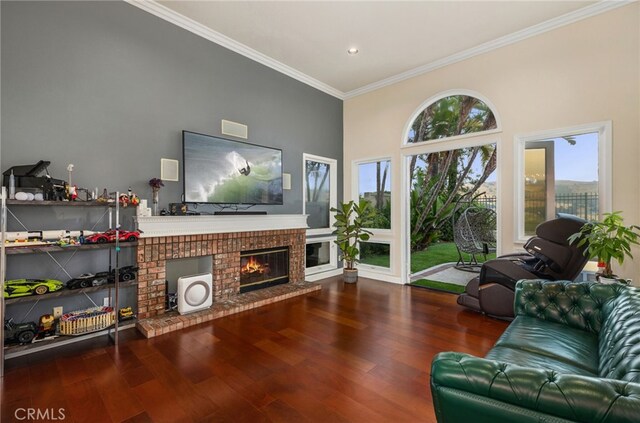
[[286, 181], [169, 170], [235, 129], [195, 293]]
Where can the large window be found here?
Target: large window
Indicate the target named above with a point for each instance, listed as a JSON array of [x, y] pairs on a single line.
[[563, 171], [449, 166], [374, 185], [320, 196]]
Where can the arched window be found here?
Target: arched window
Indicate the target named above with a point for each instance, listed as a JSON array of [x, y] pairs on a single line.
[[447, 173], [451, 116]]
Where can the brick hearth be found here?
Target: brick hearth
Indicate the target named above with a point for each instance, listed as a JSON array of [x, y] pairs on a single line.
[[172, 321], [225, 248]]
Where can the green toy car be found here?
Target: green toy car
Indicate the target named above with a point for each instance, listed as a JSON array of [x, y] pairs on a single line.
[[23, 287]]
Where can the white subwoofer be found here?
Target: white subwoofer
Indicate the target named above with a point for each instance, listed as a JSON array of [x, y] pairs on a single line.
[[195, 293]]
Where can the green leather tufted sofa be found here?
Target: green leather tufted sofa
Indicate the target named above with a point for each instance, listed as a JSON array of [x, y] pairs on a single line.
[[572, 354]]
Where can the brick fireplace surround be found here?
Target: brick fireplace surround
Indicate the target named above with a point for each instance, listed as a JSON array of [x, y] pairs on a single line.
[[224, 245]]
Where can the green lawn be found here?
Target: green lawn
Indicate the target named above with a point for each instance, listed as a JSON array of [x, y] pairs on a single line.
[[438, 253], [376, 260], [440, 286]]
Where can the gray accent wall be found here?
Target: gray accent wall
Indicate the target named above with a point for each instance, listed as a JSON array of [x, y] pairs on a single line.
[[109, 88]]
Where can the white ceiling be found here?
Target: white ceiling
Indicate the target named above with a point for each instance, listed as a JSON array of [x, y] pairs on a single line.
[[396, 39]]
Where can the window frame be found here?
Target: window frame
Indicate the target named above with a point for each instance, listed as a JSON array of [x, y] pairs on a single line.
[[434, 99], [379, 269], [333, 258], [423, 148], [333, 190], [604, 131], [355, 192], [461, 141]]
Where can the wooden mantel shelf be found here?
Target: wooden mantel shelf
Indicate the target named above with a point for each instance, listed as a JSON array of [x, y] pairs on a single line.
[[159, 226]]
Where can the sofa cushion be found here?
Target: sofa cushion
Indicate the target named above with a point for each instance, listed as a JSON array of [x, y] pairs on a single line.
[[530, 359], [575, 347], [576, 304], [620, 338]]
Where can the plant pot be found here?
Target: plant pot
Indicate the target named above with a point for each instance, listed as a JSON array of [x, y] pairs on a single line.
[[350, 275], [606, 279]]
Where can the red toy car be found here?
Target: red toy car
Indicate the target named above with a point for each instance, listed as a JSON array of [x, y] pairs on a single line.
[[110, 236]]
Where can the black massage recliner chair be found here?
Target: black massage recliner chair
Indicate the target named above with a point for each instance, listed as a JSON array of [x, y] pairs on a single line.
[[549, 256]]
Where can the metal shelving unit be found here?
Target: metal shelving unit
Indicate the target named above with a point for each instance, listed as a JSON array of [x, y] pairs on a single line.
[[3, 268], [44, 249], [50, 250], [60, 203], [21, 350]]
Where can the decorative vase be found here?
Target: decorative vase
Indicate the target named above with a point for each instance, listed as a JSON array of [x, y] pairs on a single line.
[[155, 201], [350, 275]]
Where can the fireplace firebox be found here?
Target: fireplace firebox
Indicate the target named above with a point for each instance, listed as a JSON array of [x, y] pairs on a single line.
[[263, 268]]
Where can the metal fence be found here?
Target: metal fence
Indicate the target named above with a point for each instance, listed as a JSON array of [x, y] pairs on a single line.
[[582, 205], [488, 202]]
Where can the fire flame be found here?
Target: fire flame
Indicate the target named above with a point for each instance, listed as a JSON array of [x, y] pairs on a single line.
[[253, 266]]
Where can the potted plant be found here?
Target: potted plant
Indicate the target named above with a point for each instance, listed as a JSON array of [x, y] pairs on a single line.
[[350, 220], [607, 240]]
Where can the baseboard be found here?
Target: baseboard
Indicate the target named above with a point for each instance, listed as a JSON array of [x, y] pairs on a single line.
[[384, 277], [322, 275]]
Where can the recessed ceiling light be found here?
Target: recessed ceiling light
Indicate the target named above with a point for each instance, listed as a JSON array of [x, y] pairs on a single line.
[[352, 51]]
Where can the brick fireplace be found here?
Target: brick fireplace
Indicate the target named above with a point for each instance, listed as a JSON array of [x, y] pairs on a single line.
[[223, 238]]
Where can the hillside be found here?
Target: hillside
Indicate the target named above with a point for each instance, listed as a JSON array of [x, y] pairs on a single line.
[[562, 187]]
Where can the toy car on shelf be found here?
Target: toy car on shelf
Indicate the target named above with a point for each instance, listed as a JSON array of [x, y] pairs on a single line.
[[86, 280], [23, 287], [126, 273], [110, 236], [22, 333]]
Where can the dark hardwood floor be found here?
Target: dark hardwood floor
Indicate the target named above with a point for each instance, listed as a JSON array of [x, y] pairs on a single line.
[[358, 353]]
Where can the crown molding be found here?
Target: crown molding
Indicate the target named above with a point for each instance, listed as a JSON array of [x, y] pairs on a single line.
[[551, 24], [190, 25]]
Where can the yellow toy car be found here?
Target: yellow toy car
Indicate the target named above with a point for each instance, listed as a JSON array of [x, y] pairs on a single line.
[[23, 287]]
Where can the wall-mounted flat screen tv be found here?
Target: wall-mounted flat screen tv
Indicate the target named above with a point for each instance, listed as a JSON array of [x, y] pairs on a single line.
[[222, 171]]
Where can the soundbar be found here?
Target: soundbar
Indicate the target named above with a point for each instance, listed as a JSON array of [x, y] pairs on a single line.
[[239, 212]]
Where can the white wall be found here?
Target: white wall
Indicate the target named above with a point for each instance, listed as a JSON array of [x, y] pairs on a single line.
[[585, 72]]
